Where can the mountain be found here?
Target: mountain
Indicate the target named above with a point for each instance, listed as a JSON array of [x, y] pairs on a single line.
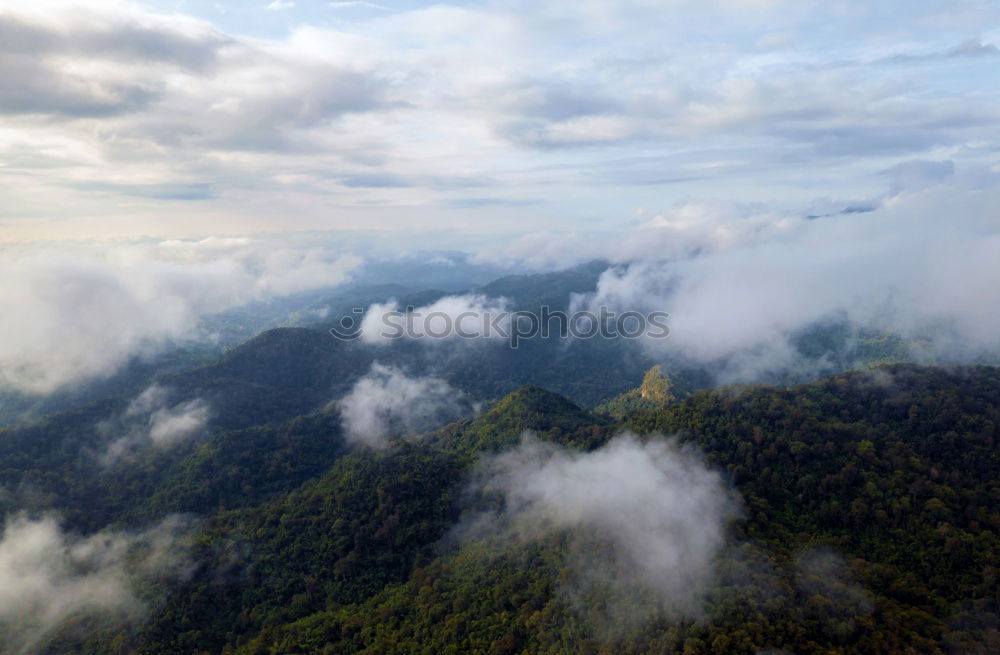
[[277, 375], [296, 368], [867, 522], [549, 289], [869, 525], [527, 409], [861, 507], [657, 389]]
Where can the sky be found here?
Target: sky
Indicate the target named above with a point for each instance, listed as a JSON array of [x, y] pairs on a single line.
[[751, 167], [474, 123]]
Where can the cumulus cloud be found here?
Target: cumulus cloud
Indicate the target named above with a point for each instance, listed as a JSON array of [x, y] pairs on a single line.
[[152, 419], [387, 403], [48, 576], [469, 316], [645, 519], [69, 313]]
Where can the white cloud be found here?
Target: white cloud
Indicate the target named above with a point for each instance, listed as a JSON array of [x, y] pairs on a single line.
[[153, 419], [162, 113], [355, 4], [278, 5], [48, 576], [474, 119], [69, 313], [470, 316], [170, 425], [386, 403], [691, 227], [645, 519], [920, 263]]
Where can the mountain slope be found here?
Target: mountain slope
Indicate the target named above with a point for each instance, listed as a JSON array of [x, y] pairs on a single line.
[[528, 409], [870, 525]]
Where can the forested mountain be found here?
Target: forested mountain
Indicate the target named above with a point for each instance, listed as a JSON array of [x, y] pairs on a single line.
[[863, 518], [299, 367]]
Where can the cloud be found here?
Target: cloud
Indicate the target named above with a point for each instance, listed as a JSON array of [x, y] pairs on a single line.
[[470, 316], [168, 425], [356, 4], [152, 419], [69, 313], [970, 48], [124, 120], [645, 520], [39, 44], [109, 31], [278, 5], [360, 123], [921, 264], [918, 174], [386, 403], [687, 229], [145, 98], [48, 576]]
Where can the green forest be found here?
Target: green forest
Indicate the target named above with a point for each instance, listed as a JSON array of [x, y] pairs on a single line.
[[866, 521]]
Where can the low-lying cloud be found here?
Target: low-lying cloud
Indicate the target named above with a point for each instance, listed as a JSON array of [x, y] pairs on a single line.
[[76, 312], [48, 576], [387, 403], [645, 519], [923, 265], [469, 316], [153, 419]]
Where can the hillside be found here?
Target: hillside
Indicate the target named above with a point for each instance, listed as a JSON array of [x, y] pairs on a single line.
[[890, 479], [867, 522], [657, 390]]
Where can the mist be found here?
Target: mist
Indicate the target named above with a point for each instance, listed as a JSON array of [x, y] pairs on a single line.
[[48, 576], [915, 267], [644, 520], [387, 403], [153, 419], [77, 312]]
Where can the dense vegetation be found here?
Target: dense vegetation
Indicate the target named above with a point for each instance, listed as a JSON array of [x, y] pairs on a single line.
[[657, 389], [869, 524], [884, 486]]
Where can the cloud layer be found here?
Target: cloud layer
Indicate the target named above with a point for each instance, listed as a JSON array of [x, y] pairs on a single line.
[[567, 115], [920, 264], [74, 312]]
